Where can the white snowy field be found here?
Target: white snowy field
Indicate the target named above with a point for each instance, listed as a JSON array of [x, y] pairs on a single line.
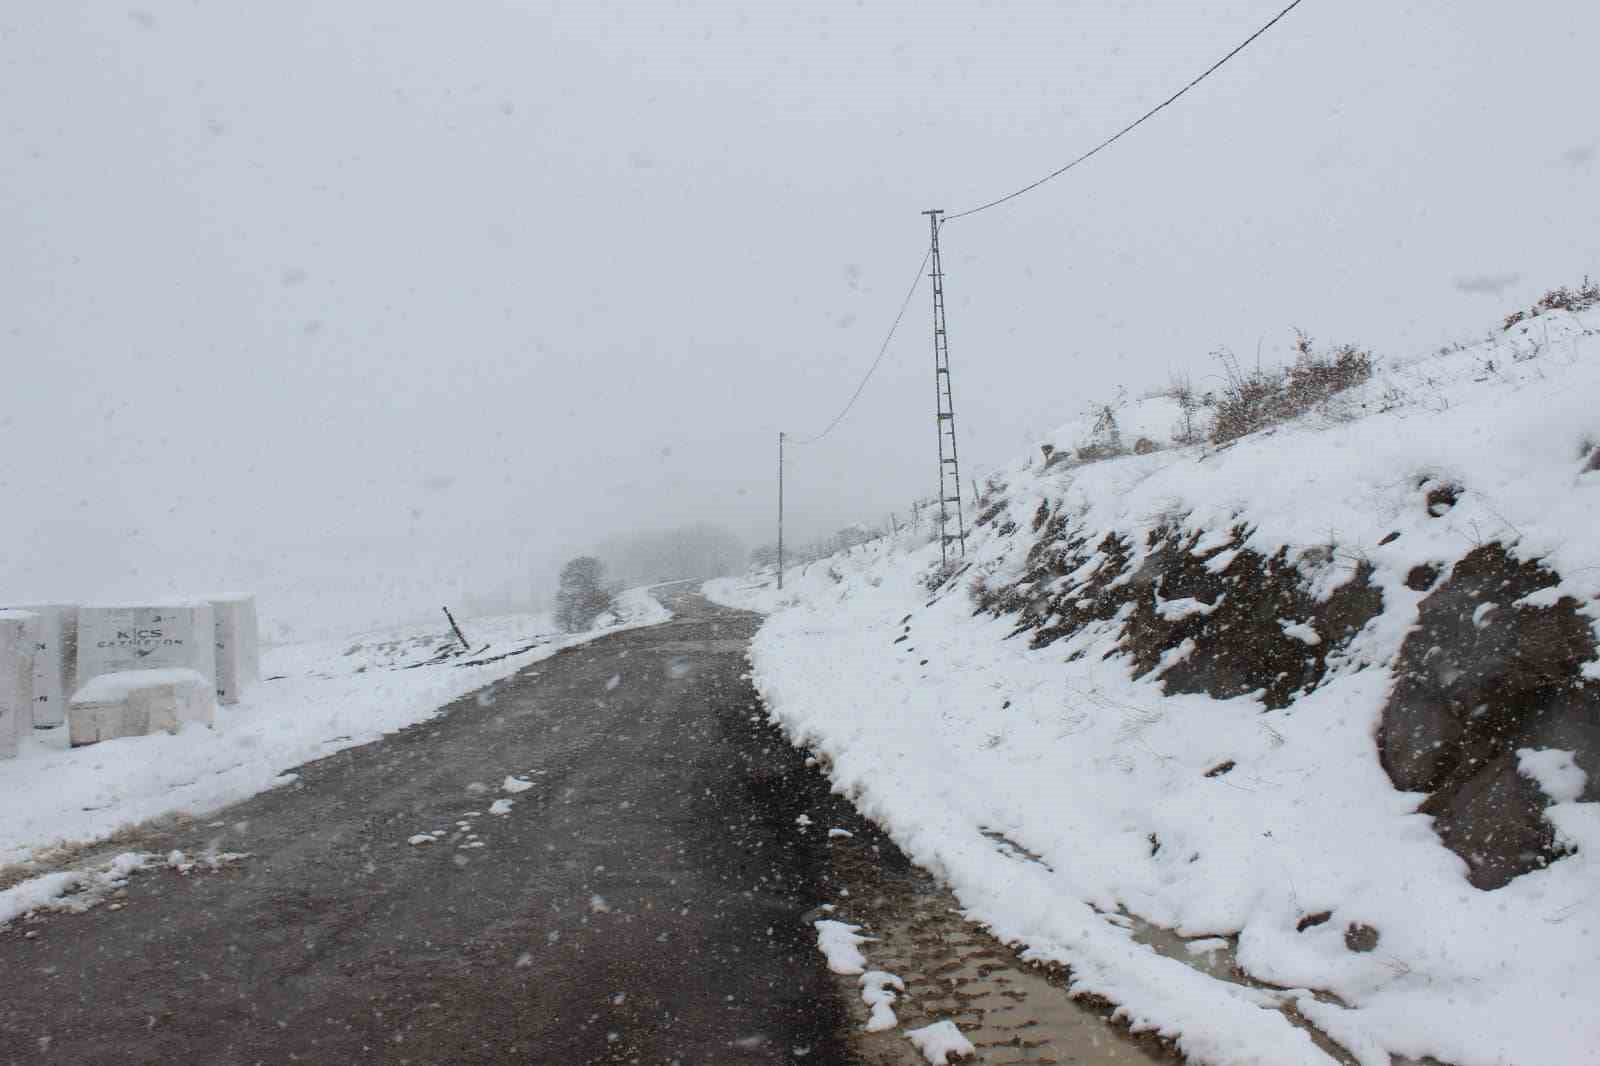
[[315, 699], [1058, 797]]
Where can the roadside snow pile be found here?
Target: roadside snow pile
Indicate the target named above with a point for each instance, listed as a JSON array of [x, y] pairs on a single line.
[[840, 942], [878, 992], [940, 1041], [76, 891], [1171, 698], [315, 699]]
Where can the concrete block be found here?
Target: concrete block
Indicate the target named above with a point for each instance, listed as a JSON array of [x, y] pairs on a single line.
[[55, 661], [238, 645], [134, 703], [18, 634], [180, 635]]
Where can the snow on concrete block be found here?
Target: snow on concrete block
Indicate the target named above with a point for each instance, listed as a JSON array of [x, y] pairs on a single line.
[[238, 648], [18, 634], [54, 661], [180, 635], [134, 703]]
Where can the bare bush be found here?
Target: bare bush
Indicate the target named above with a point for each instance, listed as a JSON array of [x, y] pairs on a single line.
[[1180, 390], [1105, 437], [1253, 400], [1581, 298]]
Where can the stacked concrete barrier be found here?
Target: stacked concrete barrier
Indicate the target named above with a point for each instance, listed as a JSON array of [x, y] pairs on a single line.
[[179, 635], [55, 665], [18, 635], [238, 651], [134, 703]]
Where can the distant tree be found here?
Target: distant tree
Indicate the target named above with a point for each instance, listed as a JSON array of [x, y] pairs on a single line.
[[581, 595], [764, 555]]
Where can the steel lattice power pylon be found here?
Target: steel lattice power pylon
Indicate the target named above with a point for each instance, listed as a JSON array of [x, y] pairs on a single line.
[[945, 413]]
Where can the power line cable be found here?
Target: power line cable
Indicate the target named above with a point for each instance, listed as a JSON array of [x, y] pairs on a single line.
[[1141, 120], [882, 350]]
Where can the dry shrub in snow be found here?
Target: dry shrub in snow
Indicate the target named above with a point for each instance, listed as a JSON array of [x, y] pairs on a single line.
[[1581, 298], [1260, 398]]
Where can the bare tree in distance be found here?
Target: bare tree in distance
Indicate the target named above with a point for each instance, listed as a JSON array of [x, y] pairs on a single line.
[[581, 595]]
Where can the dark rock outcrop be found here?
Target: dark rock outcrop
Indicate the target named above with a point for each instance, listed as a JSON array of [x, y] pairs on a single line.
[[1480, 677]]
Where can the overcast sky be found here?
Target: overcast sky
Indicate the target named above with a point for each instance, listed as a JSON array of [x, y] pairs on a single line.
[[421, 296]]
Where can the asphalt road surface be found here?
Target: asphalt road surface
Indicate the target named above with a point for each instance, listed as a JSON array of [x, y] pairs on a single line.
[[641, 902]]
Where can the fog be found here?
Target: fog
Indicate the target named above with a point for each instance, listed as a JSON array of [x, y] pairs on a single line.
[[379, 305]]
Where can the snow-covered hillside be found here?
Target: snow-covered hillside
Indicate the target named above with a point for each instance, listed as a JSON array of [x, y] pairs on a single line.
[[1157, 691], [316, 699]]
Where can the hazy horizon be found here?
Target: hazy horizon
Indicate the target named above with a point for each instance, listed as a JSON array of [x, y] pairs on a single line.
[[369, 305]]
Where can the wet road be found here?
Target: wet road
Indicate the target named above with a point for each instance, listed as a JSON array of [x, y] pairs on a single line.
[[641, 902]]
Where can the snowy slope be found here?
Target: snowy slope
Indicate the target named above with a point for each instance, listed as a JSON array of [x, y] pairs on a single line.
[[1054, 791], [320, 698]]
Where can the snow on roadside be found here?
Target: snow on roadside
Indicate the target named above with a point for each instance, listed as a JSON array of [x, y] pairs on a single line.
[[75, 891], [840, 943], [879, 992], [939, 1041], [323, 698], [1051, 794]]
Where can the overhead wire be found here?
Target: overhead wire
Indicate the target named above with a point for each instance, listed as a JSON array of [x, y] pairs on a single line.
[[882, 351], [1091, 153], [1130, 127]]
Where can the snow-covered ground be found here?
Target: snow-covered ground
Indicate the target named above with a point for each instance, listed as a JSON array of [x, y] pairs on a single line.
[[316, 699], [1054, 793]]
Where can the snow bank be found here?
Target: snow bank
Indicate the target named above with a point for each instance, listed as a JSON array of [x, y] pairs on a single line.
[[316, 699], [1053, 791]]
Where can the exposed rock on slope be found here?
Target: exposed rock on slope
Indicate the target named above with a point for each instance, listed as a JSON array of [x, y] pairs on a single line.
[[1492, 667]]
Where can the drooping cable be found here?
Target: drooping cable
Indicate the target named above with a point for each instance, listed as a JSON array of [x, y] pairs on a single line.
[[1130, 127], [882, 351]]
